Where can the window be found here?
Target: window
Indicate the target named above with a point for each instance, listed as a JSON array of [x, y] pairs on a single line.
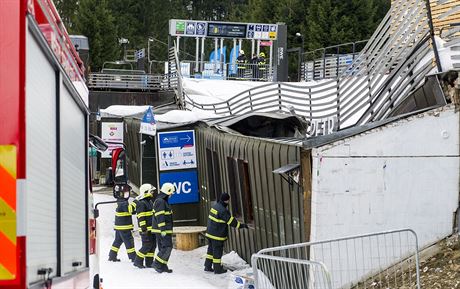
[[240, 189], [213, 174], [234, 187], [246, 195]]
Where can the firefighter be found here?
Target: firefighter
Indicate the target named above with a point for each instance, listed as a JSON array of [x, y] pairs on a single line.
[[144, 212], [217, 231], [123, 230], [261, 65], [241, 64], [163, 227]]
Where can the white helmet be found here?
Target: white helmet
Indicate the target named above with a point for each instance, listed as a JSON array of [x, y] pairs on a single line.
[[242, 52], [168, 188], [146, 190]]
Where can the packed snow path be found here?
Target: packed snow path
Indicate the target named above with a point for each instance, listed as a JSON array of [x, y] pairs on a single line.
[[187, 265]]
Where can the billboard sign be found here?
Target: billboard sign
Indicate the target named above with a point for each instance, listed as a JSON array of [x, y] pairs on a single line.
[[176, 150], [111, 132], [186, 183]]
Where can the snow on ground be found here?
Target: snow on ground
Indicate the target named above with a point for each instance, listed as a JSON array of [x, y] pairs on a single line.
[[187, 265]]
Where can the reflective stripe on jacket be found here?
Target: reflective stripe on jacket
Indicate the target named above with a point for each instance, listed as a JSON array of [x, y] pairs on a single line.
[[123, 213], [218, 221], [144, 212], [162, 215]]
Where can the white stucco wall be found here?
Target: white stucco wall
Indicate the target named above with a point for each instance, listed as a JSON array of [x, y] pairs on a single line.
[[402, 175]]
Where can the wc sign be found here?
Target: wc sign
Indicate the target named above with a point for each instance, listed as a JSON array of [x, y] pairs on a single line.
[[186, 183]]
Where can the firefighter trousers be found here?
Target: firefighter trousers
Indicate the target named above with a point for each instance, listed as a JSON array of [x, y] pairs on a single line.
[[147, 250], [165, 246], [126, 237], [214, 253]]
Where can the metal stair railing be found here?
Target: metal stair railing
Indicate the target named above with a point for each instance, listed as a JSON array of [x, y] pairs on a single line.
[[393, 64]]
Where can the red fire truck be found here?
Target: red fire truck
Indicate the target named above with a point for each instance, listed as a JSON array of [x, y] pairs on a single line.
[[47, 230]]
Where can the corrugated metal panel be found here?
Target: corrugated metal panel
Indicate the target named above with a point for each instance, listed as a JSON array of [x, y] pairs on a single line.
[[276, 205], [41, 162], [73, 182]]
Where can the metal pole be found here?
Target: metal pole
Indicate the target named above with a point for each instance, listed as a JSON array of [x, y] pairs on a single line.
[[177, 45], [258, 47], [221, 56], [235, 55], [202, 54], [140, 158], [215, 54], [270, 66], [197, 53], [252, 47], [433, 40]]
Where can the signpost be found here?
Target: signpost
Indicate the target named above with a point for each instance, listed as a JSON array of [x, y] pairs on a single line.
[[176, 150]]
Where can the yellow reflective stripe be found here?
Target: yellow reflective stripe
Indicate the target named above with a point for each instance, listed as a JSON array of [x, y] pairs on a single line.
[[122, 214], [238, 225], [142, 223], [145, 214], [130, 208], [214, 211], [209, 256], [140, 254], [216, 220], [115, 249], [150, 255], [218, 261], [131, 250], [230, 220], [155, 231], [134, 204], [215, 237], [159, 213], [123, 227], [162, 224], [160, 260], [168, 213]]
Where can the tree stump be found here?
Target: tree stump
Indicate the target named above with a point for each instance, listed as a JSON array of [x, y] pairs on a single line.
[[187, 237]]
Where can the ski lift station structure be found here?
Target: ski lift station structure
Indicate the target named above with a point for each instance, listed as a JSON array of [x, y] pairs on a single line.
[[259, 34]]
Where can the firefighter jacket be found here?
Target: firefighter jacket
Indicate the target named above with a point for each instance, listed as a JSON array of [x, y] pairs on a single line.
[[162, 215], [241, 61], [123, 213], [261, 63], [144, 212], [218, 221]]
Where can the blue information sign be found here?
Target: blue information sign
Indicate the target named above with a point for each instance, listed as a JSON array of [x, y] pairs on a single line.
[[186, 183], [176, 150]]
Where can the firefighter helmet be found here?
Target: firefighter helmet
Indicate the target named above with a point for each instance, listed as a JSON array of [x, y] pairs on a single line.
[[241, 52], [146, 190], [168, 188]]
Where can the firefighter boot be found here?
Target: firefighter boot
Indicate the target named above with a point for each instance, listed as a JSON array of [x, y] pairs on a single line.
[[208, 265], [218, 269], [166, 269], [113, 256], [139, 262]]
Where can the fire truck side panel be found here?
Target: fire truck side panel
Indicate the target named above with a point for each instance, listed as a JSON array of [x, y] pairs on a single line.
[[73, 175], [41, 162]]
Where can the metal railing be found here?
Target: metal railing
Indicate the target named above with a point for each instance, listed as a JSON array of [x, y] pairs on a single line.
[[329, 62], [227, 71], [378, 260], [393, 63]]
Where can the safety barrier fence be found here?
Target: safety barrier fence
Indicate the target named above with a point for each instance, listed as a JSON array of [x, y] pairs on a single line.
[[378, 260], [393, 63], [227, 71]]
